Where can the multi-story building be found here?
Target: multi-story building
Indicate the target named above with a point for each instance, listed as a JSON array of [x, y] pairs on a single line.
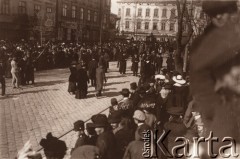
[[27, 19], [140, 18], [81, 20], [71, 20]]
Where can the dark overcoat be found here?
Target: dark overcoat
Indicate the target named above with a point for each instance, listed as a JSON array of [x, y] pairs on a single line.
[[100, 77]]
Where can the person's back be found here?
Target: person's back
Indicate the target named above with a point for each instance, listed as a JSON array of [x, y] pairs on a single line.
[[106, 142], [14, 66]]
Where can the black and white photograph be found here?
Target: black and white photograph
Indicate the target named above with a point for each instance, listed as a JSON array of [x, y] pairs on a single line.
[[119, 79]]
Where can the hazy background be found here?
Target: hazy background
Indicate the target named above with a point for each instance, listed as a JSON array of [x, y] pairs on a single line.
[[114, 8]]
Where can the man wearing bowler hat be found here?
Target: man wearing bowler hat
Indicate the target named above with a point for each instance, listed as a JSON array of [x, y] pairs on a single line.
[[175, 125], [82, 138], [215, 69], [135, 97], [126, 103]]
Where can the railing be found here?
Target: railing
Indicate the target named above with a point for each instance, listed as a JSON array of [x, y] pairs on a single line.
[[84, 122]]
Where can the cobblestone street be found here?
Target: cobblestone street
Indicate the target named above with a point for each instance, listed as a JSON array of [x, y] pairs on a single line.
[[33, 111]]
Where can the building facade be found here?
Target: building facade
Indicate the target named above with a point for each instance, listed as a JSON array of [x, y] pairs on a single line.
[[81, 20], [29, 19], [140, 18], [64, 20]]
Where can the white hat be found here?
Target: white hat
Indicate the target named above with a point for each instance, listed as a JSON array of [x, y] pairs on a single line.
[[139, 115], [178, 79], [161, 77]]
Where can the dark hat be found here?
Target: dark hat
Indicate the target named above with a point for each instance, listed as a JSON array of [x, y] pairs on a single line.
[[53, 147], [215, 7], [100, 120], [115, 117], [86, 152], [175, 110], [78, 125], [90, 127], [114, 101], [133, 86], [125, 92]]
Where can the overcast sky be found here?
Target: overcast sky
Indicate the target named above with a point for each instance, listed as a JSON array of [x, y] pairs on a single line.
[[114, 8]]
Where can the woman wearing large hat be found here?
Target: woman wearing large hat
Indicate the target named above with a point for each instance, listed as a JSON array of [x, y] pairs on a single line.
[[180, 89]]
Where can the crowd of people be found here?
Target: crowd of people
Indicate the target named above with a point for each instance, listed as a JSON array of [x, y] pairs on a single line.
[[161, 100]]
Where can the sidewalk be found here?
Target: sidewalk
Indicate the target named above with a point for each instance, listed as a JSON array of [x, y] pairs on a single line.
[[30, 113]]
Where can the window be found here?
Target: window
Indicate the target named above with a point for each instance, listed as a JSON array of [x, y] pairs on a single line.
[[49, 9], [163, 26], [37, 8], [139, 12], [119, 12], [172, 25], [105, 19], [164, 12], [73, 11], [95, 17], [108, 2], [138, 25], [81, 13], [22, 7], [128, 12], [127, 25], [5, 7], [64, 11], [147, 12], [173, 13], [89, 15], [155, 13], [155, 26], [146, 25]]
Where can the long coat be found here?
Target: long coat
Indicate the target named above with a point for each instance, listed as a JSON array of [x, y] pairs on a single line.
[[92, 66], [106, 143], [82, 80], [100, 77]]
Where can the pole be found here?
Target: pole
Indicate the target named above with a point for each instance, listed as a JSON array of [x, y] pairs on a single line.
[[41, 31], [100, 38], [56, 21], [135, 19]]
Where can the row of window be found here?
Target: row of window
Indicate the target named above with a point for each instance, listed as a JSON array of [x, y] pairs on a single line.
[[81, 13], [22, 9], [147, 13], [155, 26]]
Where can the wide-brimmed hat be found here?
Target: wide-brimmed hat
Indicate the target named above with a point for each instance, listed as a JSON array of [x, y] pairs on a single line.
[[215, 7], [115, 117], [176, 110], [100, 120], [161, 77], [179, 79], [125, 91]]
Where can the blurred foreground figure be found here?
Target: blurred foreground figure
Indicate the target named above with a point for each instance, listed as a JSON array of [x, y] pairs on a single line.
[[215, 73]]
